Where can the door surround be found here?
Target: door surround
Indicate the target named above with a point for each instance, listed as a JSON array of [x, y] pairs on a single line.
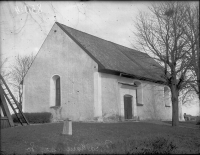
[[127, 90]]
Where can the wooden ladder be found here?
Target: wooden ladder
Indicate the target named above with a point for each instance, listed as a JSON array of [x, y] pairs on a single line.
[[12, 101]]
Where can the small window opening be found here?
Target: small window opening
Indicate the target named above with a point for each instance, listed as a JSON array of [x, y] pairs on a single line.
[[55, 92], [139, 93]]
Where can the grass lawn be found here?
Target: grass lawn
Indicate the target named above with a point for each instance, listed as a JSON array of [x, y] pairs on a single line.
[[126, 137]]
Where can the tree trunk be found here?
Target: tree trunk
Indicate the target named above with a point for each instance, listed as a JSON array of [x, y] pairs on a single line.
[[198, 82], [199, 105], [198, 70], [175, 108]]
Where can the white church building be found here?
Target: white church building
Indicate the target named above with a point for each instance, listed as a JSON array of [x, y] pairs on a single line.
[[82, 77]]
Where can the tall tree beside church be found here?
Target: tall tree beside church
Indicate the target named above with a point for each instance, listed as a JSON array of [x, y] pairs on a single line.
[[160, 34], [191, 30], [18, 72]]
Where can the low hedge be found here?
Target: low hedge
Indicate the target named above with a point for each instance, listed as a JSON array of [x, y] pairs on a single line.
[[44, 117]]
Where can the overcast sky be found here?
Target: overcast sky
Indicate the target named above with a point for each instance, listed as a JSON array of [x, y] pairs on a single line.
[[24, 32]]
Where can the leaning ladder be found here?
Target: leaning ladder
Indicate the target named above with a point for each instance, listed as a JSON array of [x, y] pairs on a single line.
[[13, 102]]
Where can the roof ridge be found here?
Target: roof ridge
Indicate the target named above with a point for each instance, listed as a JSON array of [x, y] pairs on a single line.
[[103, 39]]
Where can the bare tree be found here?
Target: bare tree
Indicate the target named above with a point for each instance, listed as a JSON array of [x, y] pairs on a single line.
[[160, 34], [19, 70], [4, 68], [191, 30], [187, 96]]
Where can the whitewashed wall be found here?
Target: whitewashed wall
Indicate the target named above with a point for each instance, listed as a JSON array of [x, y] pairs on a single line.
[[59, 55], [153, 99]]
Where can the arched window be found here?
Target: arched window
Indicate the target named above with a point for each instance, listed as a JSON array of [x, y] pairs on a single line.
[[55, 93], [139, 93], [167, 97]]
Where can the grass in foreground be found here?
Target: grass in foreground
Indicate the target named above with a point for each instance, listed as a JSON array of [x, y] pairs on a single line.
[[123, 138]]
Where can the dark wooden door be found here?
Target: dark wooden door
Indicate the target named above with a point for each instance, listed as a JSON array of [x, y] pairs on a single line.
[[128, 106], [58, 91]]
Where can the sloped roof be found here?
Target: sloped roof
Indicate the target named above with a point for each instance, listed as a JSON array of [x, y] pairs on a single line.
[[115, 57]]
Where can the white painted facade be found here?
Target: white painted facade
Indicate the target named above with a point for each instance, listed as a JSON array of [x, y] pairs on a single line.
[[151, 97]]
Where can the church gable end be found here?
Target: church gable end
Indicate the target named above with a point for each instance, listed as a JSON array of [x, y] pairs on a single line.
[[60, 57]]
